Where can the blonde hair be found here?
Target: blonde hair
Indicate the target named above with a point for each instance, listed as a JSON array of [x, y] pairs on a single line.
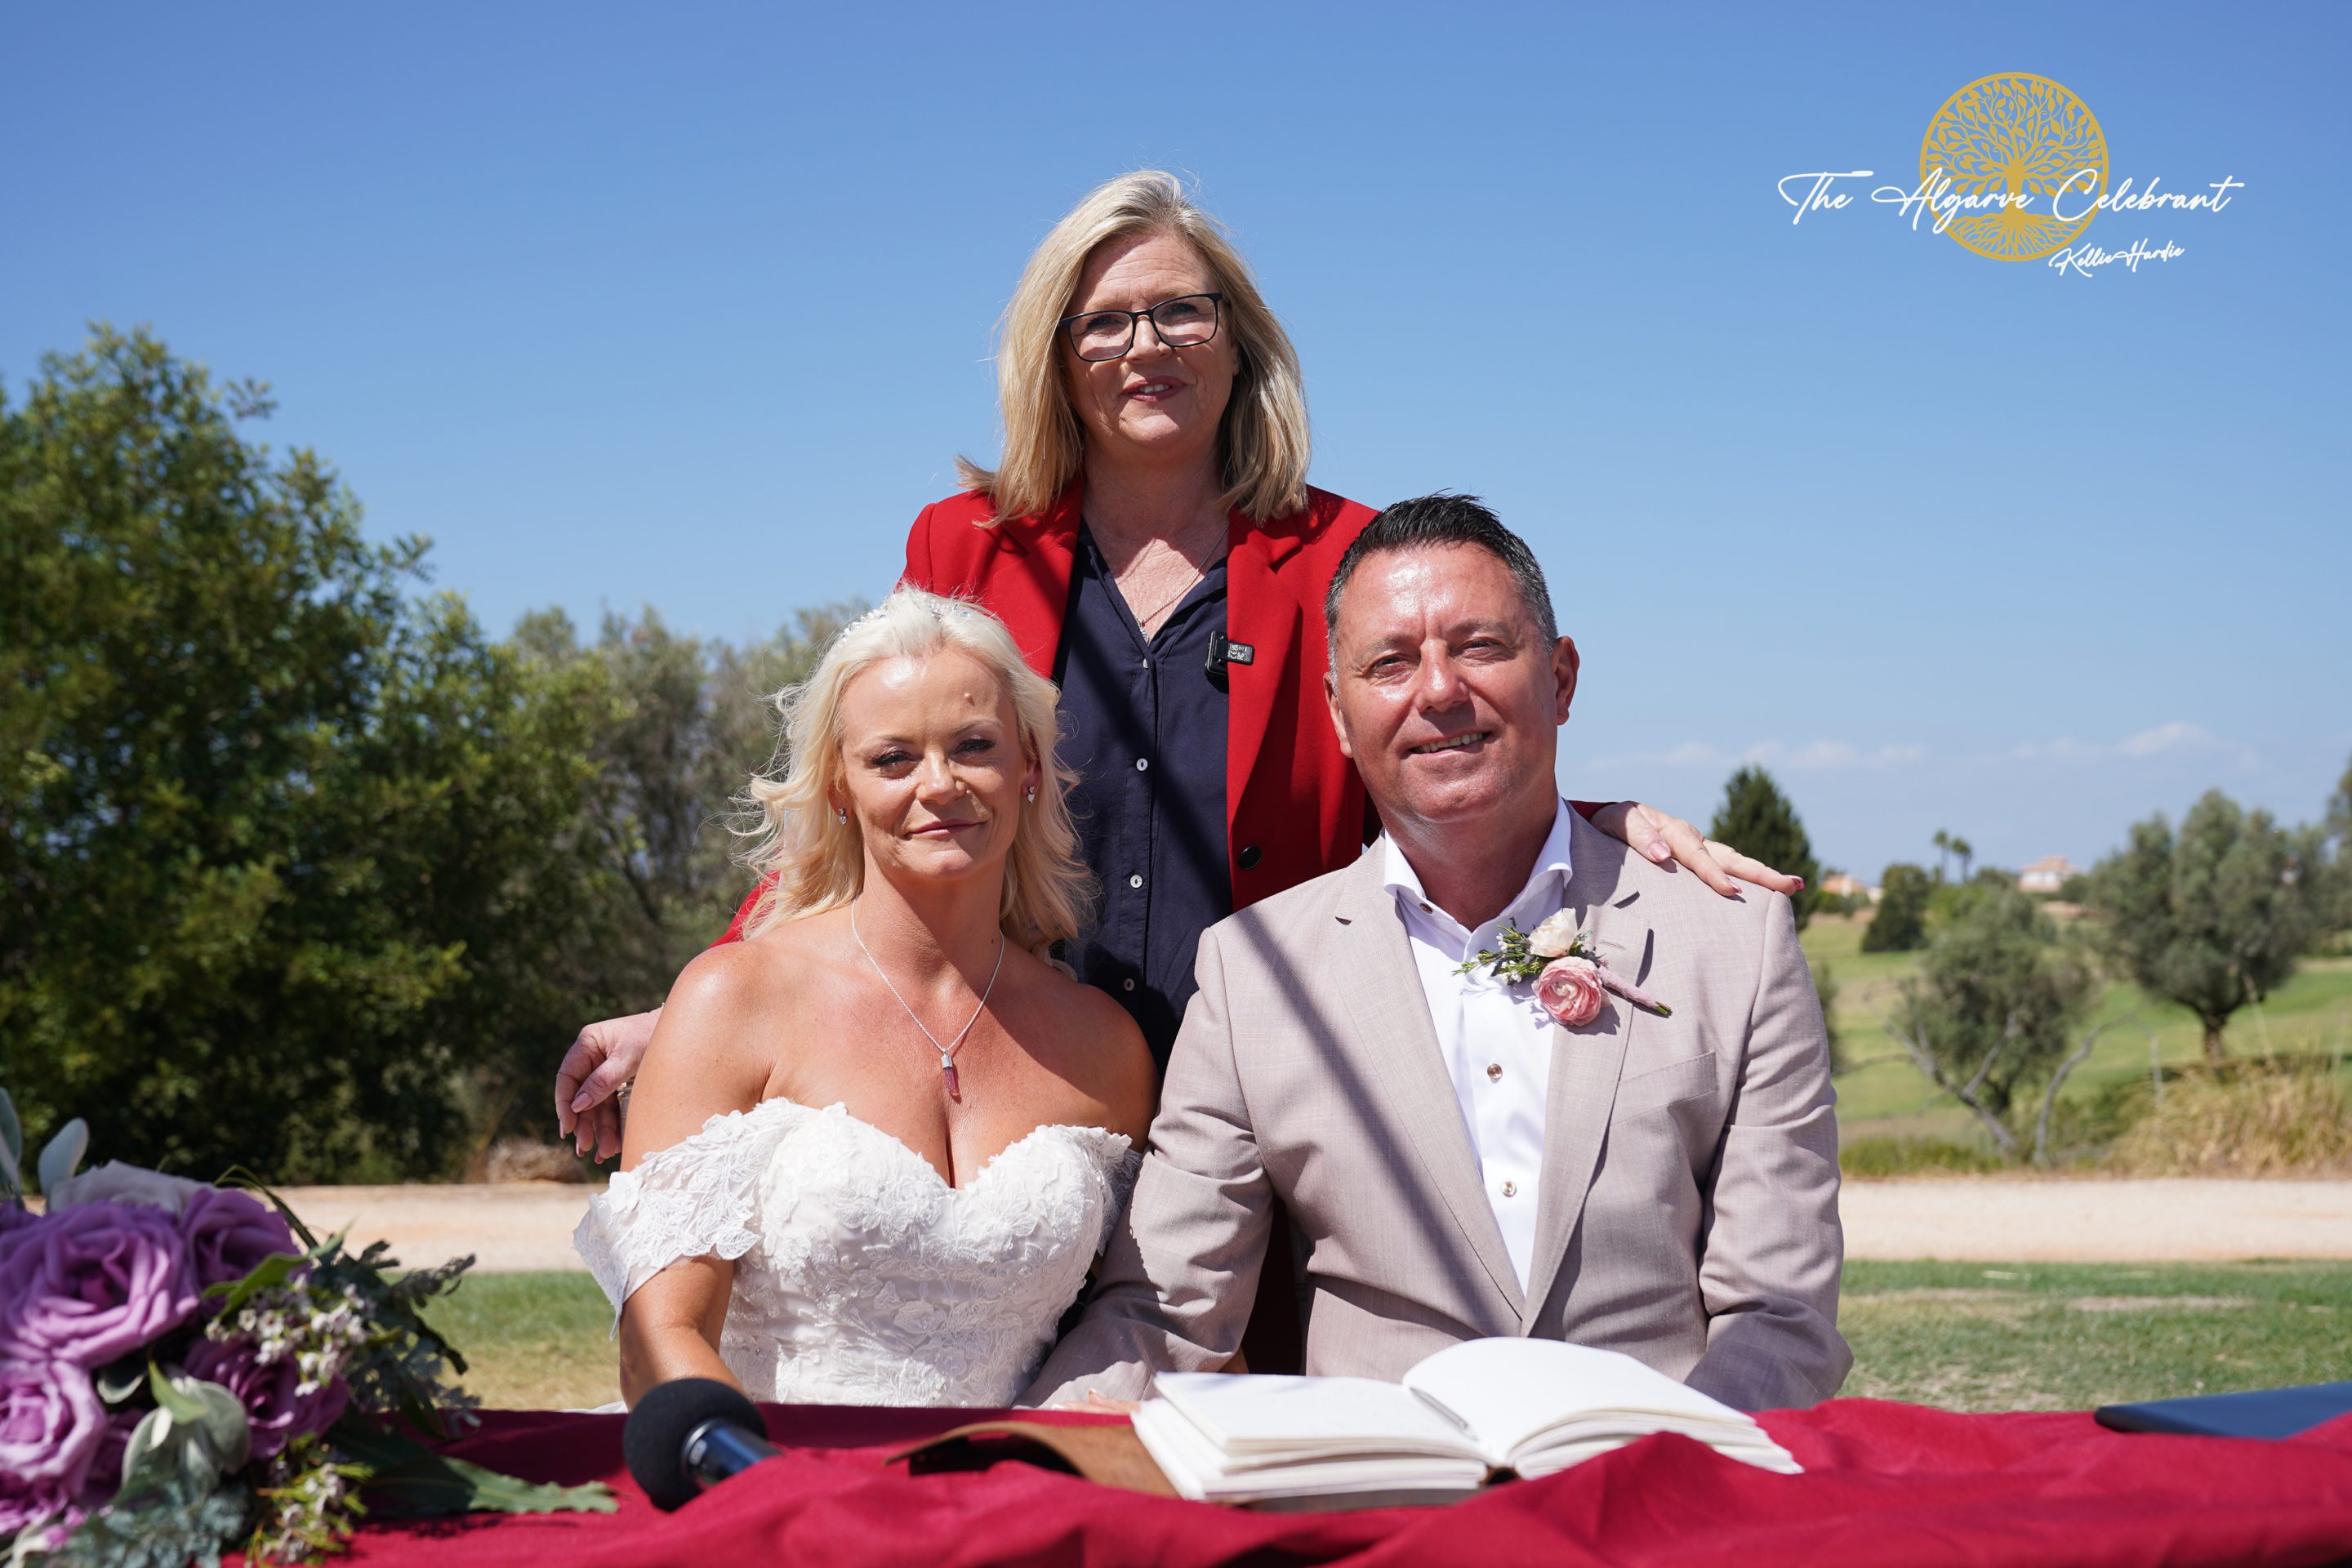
[[1261, 447], [818, 862]]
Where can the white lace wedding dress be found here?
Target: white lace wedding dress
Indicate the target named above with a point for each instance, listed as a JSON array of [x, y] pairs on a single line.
[[861, 1278]]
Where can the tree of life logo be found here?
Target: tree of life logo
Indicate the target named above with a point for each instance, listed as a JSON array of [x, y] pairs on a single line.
[[2017, 136]]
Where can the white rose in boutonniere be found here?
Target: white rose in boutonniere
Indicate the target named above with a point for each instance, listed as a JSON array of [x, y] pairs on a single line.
[[1556, 938], [1533, 957]]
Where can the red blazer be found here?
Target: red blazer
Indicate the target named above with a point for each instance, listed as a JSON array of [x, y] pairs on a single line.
[[1294, 805]]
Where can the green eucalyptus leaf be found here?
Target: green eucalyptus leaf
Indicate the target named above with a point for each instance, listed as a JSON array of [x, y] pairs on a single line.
[[11, 1145], [410, 1479], [64, 1153], [205, 1420]]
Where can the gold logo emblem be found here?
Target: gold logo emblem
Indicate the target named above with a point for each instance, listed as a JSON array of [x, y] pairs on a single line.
[[2020, 138]]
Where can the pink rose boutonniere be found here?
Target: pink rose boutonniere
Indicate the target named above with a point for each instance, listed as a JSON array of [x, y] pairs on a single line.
[[1566, 965]]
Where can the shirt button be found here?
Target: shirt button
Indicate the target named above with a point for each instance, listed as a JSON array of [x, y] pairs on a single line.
[[1128, 984], [1135, 881], [1510, 1189], [1142, 764], [1494, 1072], [1427, 910]]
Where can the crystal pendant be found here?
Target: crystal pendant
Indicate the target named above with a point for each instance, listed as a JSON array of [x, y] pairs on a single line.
[[947, 1071]]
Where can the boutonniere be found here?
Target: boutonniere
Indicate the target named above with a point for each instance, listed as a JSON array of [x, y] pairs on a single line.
[[1566, 965]]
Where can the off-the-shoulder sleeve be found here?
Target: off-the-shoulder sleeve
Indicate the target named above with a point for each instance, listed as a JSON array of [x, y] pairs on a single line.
[[698, 1198]]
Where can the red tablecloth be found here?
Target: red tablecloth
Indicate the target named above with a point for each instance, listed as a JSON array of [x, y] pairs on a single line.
[[1884, 1484]]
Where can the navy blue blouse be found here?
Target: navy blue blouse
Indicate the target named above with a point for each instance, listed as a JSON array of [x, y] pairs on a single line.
[[1143, 727]]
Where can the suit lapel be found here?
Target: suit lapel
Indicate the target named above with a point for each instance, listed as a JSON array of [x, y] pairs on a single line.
[[1382, 987], [1585, 1063]]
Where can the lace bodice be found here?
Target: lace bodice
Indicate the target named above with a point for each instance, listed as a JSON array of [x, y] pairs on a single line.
[[861, 1278]]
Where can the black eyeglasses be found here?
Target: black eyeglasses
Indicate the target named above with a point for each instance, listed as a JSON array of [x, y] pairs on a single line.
[[1185, 322]]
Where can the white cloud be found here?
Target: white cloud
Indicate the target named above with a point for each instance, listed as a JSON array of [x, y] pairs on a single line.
[[2177, 739], [2177, 736]]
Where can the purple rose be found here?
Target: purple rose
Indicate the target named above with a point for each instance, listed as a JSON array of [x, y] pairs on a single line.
[[276, 1414], [229, 1233], [16, 1216], [93, 1282], [51, 1425], [105, 1477]]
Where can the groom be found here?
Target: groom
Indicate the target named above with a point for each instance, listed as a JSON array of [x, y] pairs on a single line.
[[1457, 1164]]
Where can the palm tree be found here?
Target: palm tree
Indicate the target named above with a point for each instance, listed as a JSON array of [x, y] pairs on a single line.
[[1966, 852], [1943, 843]]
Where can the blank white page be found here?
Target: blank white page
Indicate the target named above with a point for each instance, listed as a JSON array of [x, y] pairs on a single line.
[[1245, 1414], [1509, 1390]]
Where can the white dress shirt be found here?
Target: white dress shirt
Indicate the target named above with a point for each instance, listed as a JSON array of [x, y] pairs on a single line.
[[1496, 1039]]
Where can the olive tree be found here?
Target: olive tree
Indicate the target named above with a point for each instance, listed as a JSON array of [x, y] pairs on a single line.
[[2214, 916], [1996, 1010]]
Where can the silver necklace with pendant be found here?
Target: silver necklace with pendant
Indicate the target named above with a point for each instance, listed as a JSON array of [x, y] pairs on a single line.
[[947, 1052]]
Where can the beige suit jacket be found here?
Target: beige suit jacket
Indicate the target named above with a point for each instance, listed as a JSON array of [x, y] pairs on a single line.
[[1688, 1207]]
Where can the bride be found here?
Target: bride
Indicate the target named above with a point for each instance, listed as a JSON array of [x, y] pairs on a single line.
[[875, 1148]]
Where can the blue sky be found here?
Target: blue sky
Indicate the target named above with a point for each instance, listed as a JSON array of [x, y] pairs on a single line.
[[690, 306]]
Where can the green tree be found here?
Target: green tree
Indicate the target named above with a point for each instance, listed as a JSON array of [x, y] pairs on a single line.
[[282, 842], [689, 725], [1964, 852], [1758, 818], [2214, 917], [1993, 1010], [2337, 829], [1943, 843], [1900, 924]]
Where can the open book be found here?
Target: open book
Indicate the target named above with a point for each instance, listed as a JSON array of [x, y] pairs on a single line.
[[1471, 1414]]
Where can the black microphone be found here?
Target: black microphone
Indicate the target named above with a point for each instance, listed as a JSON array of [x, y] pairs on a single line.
[[688, 1435]]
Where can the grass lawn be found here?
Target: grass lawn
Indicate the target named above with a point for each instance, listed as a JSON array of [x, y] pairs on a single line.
[[1965, 1336], [1886, 1096], [533, 1341]]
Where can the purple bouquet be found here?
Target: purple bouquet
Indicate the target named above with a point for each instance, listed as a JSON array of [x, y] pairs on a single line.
[[181, 1365]]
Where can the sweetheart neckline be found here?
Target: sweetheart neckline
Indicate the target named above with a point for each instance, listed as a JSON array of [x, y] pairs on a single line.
[[840, 1109]]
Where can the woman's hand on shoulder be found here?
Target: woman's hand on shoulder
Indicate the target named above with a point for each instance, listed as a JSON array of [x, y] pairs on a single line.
[[709, 1053], [1669, 840]]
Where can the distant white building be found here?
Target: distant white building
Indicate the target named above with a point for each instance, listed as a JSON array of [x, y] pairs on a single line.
[[2047, 875], [1838, 885]]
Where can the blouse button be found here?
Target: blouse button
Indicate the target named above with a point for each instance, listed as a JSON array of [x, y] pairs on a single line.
[[1494, 1072], [1142, 764], [1128, 984], [1135, 879], [1510, 1189]]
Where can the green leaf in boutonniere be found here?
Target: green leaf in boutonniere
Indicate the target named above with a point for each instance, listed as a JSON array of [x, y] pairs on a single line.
[[1514, 964]]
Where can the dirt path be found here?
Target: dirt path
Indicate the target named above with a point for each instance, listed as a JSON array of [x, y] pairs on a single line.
[[1993, 1220], [527, 1225]]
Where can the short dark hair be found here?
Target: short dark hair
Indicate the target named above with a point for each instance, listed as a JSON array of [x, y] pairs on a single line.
[[1427, 522]]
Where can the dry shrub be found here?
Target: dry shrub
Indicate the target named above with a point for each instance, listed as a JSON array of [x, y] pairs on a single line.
[[2262, 1120], [520, 1160]]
